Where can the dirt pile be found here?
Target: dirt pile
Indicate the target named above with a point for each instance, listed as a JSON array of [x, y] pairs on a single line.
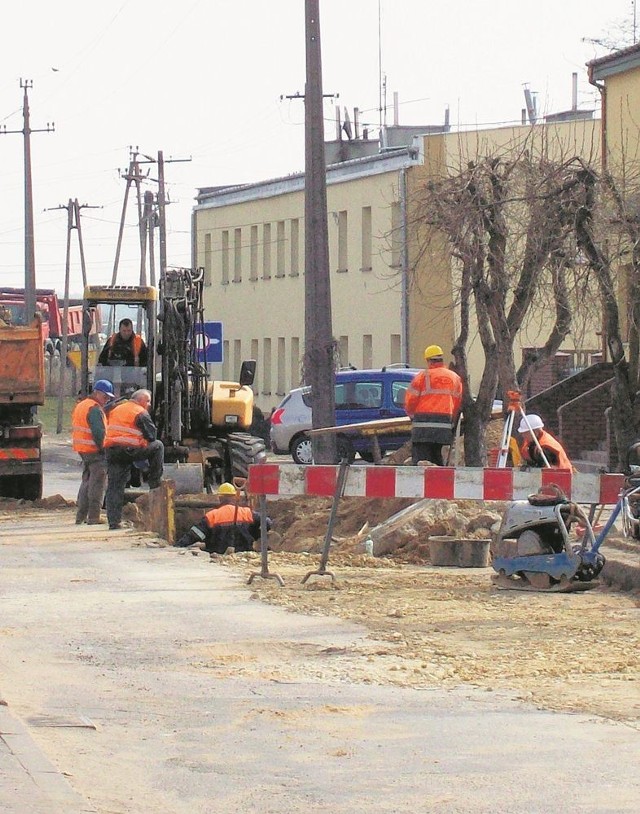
[[300, 524]]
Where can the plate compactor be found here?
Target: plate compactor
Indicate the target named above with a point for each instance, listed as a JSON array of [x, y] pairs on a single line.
[[546, 557]]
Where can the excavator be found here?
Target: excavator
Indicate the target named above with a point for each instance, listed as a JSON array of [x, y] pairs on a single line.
[[204, 425]]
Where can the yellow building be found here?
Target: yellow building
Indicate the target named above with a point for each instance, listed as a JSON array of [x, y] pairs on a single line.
[[389, 298], [617, 76]]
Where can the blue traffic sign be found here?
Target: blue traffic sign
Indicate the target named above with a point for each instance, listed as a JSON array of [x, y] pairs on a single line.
[[209, 342]]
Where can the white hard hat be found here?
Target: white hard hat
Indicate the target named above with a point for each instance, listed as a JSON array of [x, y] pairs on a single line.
[[531, 422]]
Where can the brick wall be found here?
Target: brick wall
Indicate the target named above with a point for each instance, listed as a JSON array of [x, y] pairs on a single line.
[[582, 424], [547, 403]]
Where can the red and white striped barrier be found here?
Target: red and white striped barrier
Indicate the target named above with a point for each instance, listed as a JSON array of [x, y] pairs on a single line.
[[445, 483]]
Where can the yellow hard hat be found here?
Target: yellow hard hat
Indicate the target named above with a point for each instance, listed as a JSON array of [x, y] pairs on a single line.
[[432, 351], [227, 489]]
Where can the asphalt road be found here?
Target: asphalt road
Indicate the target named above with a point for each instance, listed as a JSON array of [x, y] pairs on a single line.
[[156, 684]]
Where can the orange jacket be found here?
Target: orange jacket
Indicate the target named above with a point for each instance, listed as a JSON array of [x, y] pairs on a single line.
[[81, 436], [122, 430], [548, 443], [226, 515], [434, 390], [137, 345]]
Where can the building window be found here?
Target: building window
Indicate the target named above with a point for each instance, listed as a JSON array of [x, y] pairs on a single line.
[[280, 391], [395, 350], [207, 259], [280, 248], [254, 349], [367, 239], [225, 359], [294, 375], [266, 251], [237, 357], [396, 236], [237, 255], [266, 367], [343, 248], [343, 350], [295, 247], [367, 351], [253, 271], [225, 257]]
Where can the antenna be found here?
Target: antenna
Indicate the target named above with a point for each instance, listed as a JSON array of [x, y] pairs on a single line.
[[380, 61]]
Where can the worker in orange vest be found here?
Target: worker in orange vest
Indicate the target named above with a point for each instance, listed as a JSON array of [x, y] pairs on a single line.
[[88, 431], [125, 348], [433, 401], [229, 525], [532, 426], [131, 438]]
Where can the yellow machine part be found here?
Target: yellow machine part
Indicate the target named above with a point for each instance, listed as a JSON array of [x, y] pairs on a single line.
[[229, 399]]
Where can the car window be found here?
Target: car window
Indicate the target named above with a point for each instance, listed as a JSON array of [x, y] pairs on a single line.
[[306, 396], [358, 395], [398, 391]]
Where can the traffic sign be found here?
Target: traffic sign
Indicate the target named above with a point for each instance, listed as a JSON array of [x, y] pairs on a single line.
[[209, 342]]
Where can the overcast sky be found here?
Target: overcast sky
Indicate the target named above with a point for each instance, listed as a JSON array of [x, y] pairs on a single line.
[[203, 79]]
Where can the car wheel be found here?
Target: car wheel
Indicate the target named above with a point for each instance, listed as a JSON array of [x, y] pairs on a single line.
[[301, 450]]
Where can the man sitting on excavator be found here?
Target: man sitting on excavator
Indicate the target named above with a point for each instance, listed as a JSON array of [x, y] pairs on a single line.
[[125, 348]]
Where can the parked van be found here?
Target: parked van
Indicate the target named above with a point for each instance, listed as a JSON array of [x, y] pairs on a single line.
[[361, 395]]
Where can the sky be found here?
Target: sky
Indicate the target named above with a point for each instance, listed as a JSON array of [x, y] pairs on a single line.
[[203, 80]]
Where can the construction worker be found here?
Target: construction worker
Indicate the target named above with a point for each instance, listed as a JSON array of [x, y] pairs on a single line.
[[533, 426], [125, 348], [88, 431], [229, 525], [433, 401], [131, 438]]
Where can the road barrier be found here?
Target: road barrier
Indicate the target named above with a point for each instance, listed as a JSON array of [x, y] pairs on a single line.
[[445, 483]]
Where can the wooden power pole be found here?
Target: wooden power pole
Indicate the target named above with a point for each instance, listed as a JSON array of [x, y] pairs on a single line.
[[319, 366], [29, 242]]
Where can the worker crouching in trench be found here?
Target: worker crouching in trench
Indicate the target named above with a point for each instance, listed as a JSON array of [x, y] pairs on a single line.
[[229, 525]]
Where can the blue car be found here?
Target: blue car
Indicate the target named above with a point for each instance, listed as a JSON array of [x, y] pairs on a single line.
[[361, 395]]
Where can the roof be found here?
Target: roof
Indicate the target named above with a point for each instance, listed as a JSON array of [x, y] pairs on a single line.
[[625, 59]]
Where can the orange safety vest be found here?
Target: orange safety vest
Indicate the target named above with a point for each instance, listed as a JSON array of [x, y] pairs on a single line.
[[122, 430], [136, 347], [226, 515], [81, 435], [435, 390], [547, 441]]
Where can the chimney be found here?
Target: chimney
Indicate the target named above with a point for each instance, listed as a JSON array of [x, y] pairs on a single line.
[[356, 122], [523, 115], [530, 100], [446, 118], [396, 109], [574, 91], [338, 124]]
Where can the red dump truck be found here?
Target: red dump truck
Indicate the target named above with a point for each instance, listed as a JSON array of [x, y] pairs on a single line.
[[51, 313], [21, 391]]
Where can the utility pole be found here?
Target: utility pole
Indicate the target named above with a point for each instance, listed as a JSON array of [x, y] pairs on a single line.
[[29, 245], [319, 366], [73, 222], [162, 203]]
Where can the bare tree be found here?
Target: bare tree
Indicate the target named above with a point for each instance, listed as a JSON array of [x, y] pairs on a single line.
[[602, 234], [508, 221]]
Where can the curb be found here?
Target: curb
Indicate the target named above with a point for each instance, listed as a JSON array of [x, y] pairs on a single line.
[[29, 782]]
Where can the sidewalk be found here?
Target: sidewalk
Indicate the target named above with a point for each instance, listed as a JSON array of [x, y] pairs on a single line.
[[29, 783]]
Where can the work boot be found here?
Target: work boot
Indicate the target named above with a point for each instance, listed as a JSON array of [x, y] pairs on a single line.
[[114, 526], [80, 519], [95, 521]]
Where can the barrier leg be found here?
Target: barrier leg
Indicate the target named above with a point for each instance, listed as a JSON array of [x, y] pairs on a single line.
[[322, 568], [264, 555]]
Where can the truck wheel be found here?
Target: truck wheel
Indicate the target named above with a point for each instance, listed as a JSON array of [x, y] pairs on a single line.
[[244, 450]]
